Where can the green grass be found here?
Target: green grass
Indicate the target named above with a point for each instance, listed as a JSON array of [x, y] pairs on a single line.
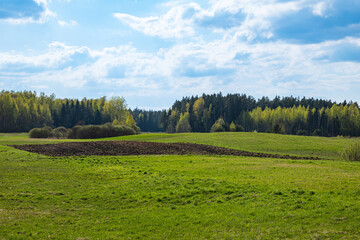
[[325, 148], [322, 147], [182, 197]]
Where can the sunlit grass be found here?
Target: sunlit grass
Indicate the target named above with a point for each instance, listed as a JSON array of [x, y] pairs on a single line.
[[181, 197], [326, 148], [322, 147], [176, 197]]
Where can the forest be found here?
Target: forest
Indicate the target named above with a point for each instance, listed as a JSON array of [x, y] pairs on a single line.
[[22, 111], [287, 115]]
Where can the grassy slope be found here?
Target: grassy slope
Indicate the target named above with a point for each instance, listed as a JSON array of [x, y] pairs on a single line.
[[327, 148], [177, 197], [257, 142]]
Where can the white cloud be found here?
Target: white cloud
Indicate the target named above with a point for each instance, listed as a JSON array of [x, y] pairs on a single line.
[[37, 17], [176, 23], [71, 23], [57, 55], [319, 9], [228, 60], [259, 15], [245, 19], [182, 20], [272, 68]]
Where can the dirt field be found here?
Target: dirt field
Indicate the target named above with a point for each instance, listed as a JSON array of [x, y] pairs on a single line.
[[140, 148]]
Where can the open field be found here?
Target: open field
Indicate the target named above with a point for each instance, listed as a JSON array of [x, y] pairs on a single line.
[[257, 142], [322, 147], [182, 197]]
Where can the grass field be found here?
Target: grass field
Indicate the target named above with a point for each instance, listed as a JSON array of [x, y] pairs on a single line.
[[182, 197]]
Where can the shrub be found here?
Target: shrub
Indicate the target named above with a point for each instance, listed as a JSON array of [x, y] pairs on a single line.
[[47, 128], [100, 131], [136, 129], [60, 132], [276, 128], [43, 132], [85, 132], [279, 129], [352, 152], [239, 128], [219, 126], [72, 133], [317, 132], [122, 130], [301, 132], [90, 131], [232, 127]]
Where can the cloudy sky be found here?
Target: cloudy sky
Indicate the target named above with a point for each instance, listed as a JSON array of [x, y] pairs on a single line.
[[153, 52]]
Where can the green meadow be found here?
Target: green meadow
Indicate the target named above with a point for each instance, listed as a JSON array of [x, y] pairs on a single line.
[[182, 197]]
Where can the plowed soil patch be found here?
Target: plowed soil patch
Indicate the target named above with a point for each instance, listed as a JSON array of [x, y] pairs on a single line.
[[140, 148]]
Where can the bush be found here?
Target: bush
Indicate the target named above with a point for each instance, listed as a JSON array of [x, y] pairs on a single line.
[[85, 132], [301, 132], [219, 126], [60, 132], [72, 133], [277, 128], [136, 129], [317, 132], [121, 130], [43, 132], [352, 152], [100, 131], [240, 128], [232, 127], [89, 131]]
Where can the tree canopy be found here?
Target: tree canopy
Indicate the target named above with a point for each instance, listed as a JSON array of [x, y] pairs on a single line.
[[22, 111]]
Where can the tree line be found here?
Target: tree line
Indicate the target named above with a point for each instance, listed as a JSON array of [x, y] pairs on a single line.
[[148, 120], [336, 120], [22, 111], [239, 112]]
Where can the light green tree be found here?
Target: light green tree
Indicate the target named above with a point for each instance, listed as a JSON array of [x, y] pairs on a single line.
[[117, 109], [198, 107], [183, 124], [232, 127], [219, 126]]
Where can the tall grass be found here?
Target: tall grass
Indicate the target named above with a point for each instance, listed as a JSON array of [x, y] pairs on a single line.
[[351, 152]]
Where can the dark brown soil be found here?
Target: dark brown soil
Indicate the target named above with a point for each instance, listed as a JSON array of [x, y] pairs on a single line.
[[140, 148]]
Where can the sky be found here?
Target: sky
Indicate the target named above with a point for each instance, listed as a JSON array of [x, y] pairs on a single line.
[[153, 52]]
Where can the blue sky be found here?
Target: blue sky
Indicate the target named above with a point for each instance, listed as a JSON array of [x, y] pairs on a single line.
[[154, 52]]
